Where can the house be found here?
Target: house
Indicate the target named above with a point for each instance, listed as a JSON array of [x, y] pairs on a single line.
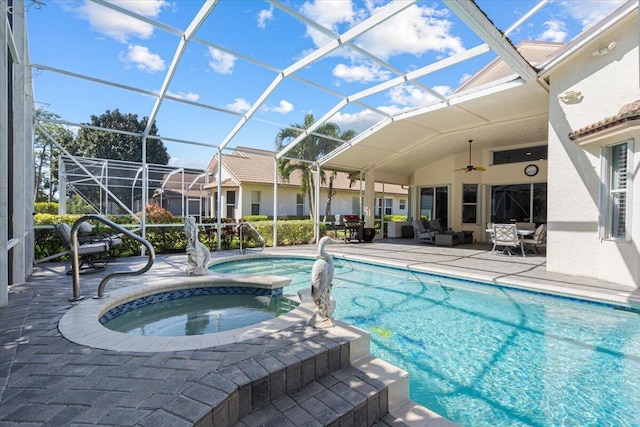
[[247, 189], [556, 137]]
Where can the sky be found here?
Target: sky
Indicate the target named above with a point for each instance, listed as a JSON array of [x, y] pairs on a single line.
[[243, 46]]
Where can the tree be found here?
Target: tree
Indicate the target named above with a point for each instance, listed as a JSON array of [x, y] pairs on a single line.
[[345, 136], [117, 146], [46, 156], [311, 148]]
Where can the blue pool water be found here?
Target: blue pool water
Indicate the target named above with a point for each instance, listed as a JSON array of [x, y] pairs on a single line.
[[484, 355]]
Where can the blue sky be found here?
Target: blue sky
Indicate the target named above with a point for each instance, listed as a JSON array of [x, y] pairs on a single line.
[[86, 38]]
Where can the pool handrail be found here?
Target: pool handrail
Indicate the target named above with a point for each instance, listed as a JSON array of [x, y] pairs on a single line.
[[240, 228], [75, 263]]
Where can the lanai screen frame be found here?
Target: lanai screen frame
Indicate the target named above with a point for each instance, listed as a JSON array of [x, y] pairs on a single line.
[[467, 11]]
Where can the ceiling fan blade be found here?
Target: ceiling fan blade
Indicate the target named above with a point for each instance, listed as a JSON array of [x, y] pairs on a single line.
[[479, 168], [461, 169]]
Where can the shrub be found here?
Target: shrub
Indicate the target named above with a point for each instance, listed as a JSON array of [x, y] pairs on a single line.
[[256, 218], [46, 208], [157, 215]]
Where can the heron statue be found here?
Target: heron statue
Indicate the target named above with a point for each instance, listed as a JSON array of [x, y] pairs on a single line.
[[321, 283]]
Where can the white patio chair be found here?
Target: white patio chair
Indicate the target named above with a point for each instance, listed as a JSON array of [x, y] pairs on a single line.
[[506, 237]]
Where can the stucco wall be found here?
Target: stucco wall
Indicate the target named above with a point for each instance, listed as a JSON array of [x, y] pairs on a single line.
[[606, 82]]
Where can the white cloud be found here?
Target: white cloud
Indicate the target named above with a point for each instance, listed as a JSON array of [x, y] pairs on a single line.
[[118, 26], [415, 31], [358, 122], [265, 15], [142, 59], [239, 105], [363, 73], [555, 31], [329, 14], [189, 96], [285, 107], [221, 62], [590, 12], [465, 77], [412, 96]]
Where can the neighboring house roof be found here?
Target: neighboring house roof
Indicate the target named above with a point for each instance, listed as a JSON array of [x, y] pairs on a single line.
[[254, 166], [629, 112]]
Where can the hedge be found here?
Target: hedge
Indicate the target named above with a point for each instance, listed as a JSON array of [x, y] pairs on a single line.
[[170, 238]]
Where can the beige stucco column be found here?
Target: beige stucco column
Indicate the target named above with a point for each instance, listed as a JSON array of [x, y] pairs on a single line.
[[369, 198]]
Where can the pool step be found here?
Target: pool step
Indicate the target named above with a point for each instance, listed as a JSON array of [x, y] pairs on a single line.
[[349, 397], [328, 379]]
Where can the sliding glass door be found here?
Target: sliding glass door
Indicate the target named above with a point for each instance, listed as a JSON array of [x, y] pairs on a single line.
[[434, 204], [519, 203]]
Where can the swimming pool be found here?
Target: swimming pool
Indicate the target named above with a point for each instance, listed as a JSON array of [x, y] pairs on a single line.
[[483, 355]]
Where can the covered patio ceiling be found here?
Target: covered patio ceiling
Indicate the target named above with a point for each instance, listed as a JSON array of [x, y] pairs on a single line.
[[501, 115]]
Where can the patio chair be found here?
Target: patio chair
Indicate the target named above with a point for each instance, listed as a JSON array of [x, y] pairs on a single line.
[[491, 232], [421, 233], [538, 238], [93, 255], [86, 234], [506, 237]]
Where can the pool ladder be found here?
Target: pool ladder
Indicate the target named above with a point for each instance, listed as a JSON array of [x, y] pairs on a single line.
[[240, 237], [75, 263]]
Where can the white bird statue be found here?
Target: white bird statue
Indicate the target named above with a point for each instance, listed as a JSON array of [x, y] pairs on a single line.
[[321, 283]]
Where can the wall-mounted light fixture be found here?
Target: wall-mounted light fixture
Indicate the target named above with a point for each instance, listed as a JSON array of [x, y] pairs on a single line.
[[571, 96], [604, 50]]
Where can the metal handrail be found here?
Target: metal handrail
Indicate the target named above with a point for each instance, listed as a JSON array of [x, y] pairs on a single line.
[[75, 263], [255, 230]]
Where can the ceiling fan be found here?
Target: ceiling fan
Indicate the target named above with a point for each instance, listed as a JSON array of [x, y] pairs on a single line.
[[470, 167]]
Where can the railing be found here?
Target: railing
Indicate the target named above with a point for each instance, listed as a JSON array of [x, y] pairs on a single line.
[[75, 263], [240, 238]]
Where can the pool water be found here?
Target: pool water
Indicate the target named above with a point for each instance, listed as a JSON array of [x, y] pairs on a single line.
[[483, 355], [200, 314]]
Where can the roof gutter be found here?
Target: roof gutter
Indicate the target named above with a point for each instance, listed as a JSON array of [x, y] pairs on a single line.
[[586, 37]]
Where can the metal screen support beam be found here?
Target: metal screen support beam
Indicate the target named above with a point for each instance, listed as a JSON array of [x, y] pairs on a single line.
[[275, 202], [382, 15], [471, 15]]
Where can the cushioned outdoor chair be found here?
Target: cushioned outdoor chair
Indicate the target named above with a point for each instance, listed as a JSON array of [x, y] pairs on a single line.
[[421, 233], [538, 238], [506, 236], [92, 255], [87, 234]]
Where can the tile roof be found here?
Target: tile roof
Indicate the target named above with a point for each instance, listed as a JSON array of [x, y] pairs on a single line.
[[627, 113]]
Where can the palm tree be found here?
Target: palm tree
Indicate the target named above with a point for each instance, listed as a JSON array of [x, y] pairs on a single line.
[[311, 148], [345, 136]]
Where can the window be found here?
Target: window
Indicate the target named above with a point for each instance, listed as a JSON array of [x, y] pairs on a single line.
[[231, 204], [520, 155], [434, 204], [469, 203], [355, 205], [299, 204], [388, 206], [402, 204], [255, 203], [616, 159]]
